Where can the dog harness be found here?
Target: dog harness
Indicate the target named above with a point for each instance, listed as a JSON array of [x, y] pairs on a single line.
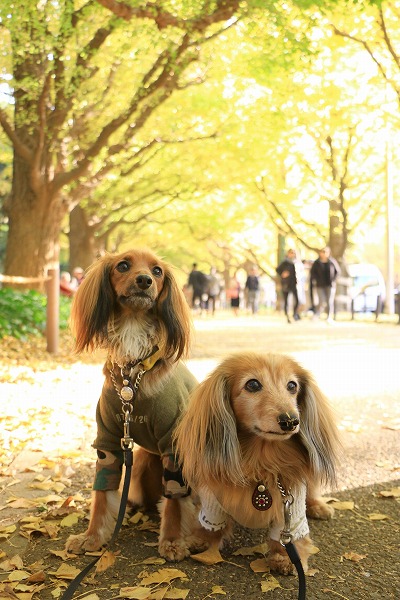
[[151, 426]]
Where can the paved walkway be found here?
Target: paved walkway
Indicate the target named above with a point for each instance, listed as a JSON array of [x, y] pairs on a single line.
[[51, 414]]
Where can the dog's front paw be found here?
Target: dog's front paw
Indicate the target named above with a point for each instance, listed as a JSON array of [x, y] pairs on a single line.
[[319, 509], [174, 550], [280, 563], [78, 544]]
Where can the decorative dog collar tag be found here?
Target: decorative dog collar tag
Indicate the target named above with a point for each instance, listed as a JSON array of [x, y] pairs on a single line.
[[261, 498], [126, 391]]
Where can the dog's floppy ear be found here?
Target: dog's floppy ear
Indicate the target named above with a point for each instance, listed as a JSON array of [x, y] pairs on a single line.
[[93, 306], [206, 436], [318, 431], [174, 314]]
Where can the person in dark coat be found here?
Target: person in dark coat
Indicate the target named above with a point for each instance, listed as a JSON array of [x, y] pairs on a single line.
[[198, 281], [287, 272], [252, 289], [324, 272]]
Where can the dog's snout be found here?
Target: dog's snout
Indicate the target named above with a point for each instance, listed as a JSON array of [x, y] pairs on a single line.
[[288, 422], [144, 281]]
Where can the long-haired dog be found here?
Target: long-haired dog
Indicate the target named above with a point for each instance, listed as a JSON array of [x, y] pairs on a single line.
[[258, 432], [131, 304]]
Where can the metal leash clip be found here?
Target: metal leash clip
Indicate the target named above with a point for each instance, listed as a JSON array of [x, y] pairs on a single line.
[[286, 536], [127, 441]]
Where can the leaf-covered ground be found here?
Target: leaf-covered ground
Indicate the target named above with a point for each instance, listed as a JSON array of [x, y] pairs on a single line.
[[46, 469]]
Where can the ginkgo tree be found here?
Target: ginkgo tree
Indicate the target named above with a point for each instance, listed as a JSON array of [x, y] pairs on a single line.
[[85, 78]]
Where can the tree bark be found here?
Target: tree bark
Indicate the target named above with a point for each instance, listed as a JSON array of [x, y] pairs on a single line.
[[82, 246], [34, 225]]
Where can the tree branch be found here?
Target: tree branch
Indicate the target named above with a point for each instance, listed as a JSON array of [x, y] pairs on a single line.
[[21, 149], [225, 9]]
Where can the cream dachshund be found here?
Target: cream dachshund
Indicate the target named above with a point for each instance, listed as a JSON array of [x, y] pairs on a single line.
[[131, 305], [258, 432]]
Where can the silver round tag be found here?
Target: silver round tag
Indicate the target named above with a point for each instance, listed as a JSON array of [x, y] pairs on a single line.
[[126, 393]]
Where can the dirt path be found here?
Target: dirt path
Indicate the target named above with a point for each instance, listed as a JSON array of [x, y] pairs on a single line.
[[47, 419]]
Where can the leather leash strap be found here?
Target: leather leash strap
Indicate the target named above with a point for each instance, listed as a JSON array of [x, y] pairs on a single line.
[[73, 586], [295, 559]]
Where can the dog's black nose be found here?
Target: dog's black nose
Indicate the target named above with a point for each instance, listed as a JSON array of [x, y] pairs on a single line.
[[288, 422], [144, 281]]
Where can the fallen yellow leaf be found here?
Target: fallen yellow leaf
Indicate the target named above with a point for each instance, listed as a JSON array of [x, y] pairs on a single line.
[[65, 571], [163, 576], [21, 503], [7, 530], [18, 575], [136, 593], [63, 554], [393, 493], [11, 563], [249, 550], [259, 566], [42, 485], [153, 560], [166, 593], [349, 505], [37, 577], [270, 584], [107, 560], [377, 517], [354, 557], [211, 556], [136, 517], [70, 520], [217, 589]]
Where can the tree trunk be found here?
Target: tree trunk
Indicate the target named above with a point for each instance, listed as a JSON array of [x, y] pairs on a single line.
[[33, 241], [82, 246]]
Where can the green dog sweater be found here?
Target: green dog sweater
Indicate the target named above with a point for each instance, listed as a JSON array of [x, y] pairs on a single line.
[[152, 422]]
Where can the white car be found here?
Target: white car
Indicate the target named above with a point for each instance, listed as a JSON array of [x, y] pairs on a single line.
[[368, 290]]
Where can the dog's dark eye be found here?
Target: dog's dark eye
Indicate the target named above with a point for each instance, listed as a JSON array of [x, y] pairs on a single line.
[[157, 271], [123, 266], [253, 385], [292, 387]]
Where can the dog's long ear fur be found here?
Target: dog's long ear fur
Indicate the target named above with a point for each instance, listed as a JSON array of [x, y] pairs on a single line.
[[93, 306], [173, 312], [206, 437], [318, 431]]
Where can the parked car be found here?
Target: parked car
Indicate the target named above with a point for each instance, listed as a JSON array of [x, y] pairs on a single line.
[[368, 289]]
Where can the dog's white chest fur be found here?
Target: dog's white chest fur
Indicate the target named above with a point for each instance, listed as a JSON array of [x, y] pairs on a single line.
[[131, 339]]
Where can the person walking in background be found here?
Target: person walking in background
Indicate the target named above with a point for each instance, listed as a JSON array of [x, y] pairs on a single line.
[[198, 282], [252, 289], [213, 290], [77, 277], [323, 275], [233, 294], [289, 282], [65, 284]]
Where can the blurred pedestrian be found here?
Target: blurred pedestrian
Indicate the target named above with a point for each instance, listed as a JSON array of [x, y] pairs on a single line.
[[213, 290], [77, 277], [323, 276], [233, 294], [198, 282], [252, 289], [66, 289], [289, 283]]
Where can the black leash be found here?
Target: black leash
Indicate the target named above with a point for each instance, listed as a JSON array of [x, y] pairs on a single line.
[[295, 558], [286, 541], [73, 586]]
